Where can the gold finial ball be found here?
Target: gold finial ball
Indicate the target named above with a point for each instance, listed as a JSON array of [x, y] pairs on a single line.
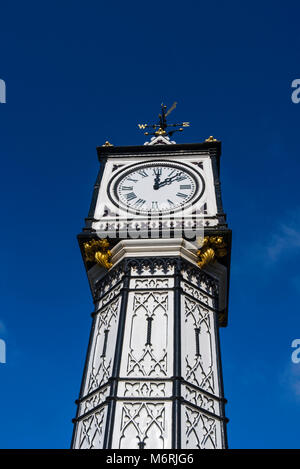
[[107, 144], [160, 131], [211, 139]]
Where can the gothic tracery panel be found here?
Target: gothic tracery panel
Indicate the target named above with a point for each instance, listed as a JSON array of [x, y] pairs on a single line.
[[103, 347], [201, 431], [198, 348], [144, 389], [148, 330], [142, 425], [90, 430], [149, 335]]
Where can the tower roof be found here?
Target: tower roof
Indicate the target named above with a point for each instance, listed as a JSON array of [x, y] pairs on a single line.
[[209, 145]]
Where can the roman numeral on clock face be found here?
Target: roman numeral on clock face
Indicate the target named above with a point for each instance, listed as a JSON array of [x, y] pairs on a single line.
[[181, 177], [130, 196], [143, 173], [139, 203], [157, 171], [172, 172], [185, 186], [154, 206], [179, 194], [127, 188]]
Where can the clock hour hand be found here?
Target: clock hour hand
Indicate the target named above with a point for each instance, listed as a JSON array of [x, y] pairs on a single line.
[[156, 181]]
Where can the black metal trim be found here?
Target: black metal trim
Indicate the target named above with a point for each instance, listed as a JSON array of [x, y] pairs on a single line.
[[91, 212], [146, 378], [146, 399], [220, 382], [91, 393], [176, 411], [217, 183], [204, 411], [90, 412], [203, 391]]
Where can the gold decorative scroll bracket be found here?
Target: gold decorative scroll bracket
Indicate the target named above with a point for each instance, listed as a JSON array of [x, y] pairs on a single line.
[[212, 248], [98, 251]]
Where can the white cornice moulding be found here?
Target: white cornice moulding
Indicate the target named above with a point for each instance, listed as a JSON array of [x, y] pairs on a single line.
[[153, 248]]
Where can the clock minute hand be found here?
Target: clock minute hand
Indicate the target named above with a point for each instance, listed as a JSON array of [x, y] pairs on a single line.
[[167, 181]]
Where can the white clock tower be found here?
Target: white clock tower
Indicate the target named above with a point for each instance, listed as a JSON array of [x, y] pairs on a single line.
[[156, 248]]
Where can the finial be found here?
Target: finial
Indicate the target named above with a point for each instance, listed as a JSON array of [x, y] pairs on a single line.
[[160, 131], [211, 139], [107, 144], [162, 127]]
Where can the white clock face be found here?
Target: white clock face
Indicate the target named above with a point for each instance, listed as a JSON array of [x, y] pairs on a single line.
[[156, 188]]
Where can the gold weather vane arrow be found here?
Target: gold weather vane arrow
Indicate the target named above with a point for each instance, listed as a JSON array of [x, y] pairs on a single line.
[[171, 108], [162, 127]]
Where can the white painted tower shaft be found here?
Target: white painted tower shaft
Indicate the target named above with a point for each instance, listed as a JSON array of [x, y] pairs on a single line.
[[153, 371]]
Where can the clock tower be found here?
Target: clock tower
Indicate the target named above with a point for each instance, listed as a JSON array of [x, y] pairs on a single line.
[[156, 248]]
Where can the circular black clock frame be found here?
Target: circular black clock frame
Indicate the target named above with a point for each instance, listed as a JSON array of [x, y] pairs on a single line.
[[122, 173]]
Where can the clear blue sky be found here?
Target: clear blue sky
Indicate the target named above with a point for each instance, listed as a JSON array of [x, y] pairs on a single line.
[[80, 73]]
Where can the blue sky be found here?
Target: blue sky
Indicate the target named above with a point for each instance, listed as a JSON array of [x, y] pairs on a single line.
[[79, 73]]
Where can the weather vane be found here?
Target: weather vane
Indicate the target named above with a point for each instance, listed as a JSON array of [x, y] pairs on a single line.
[[162, 127]]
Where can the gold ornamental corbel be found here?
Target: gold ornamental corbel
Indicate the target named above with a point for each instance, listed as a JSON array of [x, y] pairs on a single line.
[[98, 251], [212, 247]]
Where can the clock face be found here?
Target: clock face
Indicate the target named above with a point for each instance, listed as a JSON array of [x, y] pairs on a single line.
[[156, 187]]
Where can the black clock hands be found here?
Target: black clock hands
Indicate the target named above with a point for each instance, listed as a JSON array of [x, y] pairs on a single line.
[[157, 172], [169, 180], [156, 182]]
